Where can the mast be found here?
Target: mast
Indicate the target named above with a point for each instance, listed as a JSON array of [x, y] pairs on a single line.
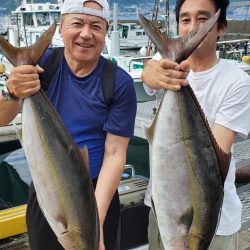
[[167, 17], [24, 3], [115, 37], [154, 20]]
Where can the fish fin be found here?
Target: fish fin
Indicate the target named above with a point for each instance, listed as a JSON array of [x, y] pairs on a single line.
[[150, 129], [85, 157], [30, 55], [18, 132], [148, 132], [187, 218], [153, 208], [67, 240], [9, 51], [223, 158], [181, 48]]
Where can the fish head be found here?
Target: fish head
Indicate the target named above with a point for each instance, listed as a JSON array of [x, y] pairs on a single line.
[[181, 48]]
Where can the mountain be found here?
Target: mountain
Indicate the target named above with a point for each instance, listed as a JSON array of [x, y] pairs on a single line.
[[129, 8]]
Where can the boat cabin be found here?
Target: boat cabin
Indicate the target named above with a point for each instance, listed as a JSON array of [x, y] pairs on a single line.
[[132, 35], [29, 21]]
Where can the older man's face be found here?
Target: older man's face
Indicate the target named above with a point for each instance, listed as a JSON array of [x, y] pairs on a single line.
[[84, 35]]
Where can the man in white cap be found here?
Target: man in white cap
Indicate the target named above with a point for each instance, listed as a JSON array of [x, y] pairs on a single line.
[[76, 92]]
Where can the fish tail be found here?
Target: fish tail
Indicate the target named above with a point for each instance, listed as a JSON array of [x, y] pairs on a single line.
[[30, 55]]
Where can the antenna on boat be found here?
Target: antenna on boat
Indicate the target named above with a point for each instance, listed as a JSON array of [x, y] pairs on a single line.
[[154, 20], [24, 3], [23, 7], [166, 17]]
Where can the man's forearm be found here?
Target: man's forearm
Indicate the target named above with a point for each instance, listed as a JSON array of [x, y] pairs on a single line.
[[107, 184], [8, 110]]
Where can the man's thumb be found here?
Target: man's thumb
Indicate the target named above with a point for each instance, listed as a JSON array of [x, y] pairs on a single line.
[[39, 69]]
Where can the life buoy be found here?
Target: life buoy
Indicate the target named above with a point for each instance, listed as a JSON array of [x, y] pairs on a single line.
[[246, 59]]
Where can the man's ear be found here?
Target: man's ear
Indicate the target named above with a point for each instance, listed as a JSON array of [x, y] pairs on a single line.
[[221, 31]]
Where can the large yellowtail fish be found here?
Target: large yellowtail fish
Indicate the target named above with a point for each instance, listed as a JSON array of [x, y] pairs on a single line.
[[61, 178], [188, 167]]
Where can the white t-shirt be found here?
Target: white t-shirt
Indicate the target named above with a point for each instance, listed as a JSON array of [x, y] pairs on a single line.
[[224, 95]]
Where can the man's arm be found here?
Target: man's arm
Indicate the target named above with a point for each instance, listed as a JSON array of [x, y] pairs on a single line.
[[23, 82], [224, 137], [165, 74], [8, 110], [110, 175]]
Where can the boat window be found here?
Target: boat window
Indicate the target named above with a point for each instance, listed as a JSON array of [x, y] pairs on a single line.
[[133, 26], [43, 19], [28, 19], [124, 31], [119, 27], [55, 16], [15, 19]]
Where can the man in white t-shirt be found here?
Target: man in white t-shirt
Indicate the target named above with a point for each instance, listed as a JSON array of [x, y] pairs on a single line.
[[223, 92]]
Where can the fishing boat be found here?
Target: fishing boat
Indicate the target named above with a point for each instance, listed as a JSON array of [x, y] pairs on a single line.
[[3, 27], [30, 20], [132, 35]]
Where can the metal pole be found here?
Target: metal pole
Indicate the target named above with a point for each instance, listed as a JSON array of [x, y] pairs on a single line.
[[115, 20], [167, 17], [115, 39]]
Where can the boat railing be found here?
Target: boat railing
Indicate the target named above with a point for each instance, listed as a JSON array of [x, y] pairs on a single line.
[[137, 63]]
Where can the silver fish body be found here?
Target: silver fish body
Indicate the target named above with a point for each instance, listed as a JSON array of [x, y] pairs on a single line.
[[187, 188], [62, 181]]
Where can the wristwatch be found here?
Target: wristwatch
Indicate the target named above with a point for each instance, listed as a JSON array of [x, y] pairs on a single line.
[[8, 96]]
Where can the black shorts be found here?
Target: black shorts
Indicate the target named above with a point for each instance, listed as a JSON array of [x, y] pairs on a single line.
[[41, 236]]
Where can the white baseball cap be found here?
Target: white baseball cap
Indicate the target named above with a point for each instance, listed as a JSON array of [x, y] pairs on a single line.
[[77, 6]]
